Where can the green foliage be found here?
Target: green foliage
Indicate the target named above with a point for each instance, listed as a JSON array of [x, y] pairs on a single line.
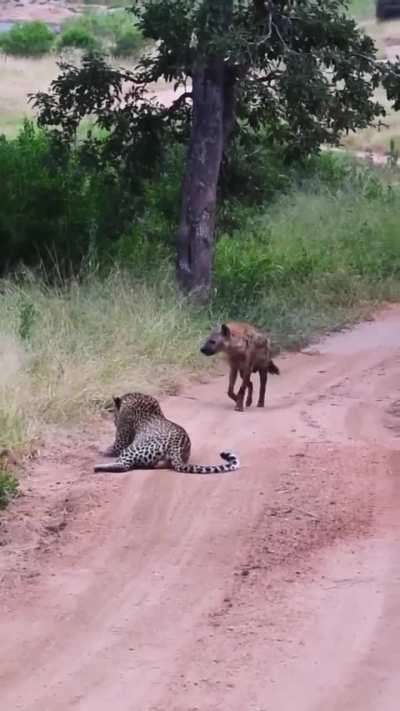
[[53, 207], [8, 488], [256, 169], [27, 319], [302, 74], [27, 39], [135, 132], [127, 42], [59, 210], [304, 69], [115, 30], [315, 256], [78, 37]]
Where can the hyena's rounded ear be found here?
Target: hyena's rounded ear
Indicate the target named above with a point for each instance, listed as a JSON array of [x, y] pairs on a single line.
[[225, 330], [117, 402]]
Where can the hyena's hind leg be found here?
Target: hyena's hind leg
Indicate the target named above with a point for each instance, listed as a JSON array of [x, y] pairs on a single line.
[[249, 398], [263, 373]]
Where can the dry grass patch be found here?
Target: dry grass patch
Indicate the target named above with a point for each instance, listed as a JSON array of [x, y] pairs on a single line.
[[65, 351]]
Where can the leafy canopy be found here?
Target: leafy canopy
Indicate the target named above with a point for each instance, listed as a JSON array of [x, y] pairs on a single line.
[[303, 69]]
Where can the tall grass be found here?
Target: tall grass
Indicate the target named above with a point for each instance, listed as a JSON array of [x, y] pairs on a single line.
[[64, 351], [315, 261], [362, 8]]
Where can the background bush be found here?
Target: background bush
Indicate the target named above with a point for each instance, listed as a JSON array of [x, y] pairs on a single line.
[[127, 42], [111, 30], [325, 216], [78, 38], [53, 207], [27, 39], [115, 31]]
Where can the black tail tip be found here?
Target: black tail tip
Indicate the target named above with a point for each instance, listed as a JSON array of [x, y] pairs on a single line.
[[225, 455], [228, 456], [273, 369]]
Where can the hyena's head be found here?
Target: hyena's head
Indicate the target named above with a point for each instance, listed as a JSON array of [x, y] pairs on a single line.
[[217, 340]]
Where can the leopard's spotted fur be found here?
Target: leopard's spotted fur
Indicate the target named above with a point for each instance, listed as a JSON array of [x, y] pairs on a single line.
[[145, 437]]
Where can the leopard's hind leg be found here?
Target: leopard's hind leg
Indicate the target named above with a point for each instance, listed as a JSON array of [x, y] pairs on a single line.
[[144, 456]]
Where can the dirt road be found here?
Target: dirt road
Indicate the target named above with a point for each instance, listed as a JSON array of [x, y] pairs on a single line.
[[274, 587]]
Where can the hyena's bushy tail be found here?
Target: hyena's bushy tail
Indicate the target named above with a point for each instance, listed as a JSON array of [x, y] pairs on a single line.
[[232, 463]]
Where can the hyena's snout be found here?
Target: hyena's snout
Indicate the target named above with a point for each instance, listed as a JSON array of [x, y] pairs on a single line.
[[207, 350]]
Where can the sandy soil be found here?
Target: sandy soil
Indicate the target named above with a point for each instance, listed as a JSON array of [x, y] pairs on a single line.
[[274, 587], [52, 11]]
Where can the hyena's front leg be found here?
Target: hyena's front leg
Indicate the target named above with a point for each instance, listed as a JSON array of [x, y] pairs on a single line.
[[246, 384], [232, 381]]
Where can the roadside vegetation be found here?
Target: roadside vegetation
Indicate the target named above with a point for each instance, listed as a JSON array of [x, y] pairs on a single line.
[[320, 251], [8, 488]]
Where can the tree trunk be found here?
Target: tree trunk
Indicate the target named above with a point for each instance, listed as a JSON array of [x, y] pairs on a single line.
[[199, 188], [229, 104]]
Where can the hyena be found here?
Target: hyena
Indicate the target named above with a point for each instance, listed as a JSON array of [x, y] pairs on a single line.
[[248, 351]]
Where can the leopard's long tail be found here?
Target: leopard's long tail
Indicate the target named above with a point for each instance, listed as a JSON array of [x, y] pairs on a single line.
[[232, 463]]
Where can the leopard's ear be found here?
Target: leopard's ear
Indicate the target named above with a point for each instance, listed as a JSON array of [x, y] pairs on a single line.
[[117, 402]]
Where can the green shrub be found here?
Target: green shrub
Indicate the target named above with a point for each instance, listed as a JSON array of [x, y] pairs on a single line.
[[53, 209], [78, 37], [256, 168], [115, 30], [8, 488], [313, 258], [27, 39], [127, 42]]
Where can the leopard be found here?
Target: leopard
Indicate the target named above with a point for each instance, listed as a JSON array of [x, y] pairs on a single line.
[[145, 438]]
